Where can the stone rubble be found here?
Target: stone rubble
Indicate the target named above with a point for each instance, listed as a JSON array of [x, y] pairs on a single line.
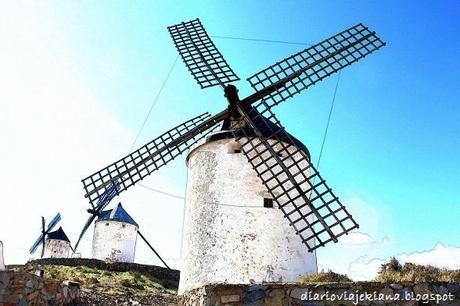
[[24, 289]]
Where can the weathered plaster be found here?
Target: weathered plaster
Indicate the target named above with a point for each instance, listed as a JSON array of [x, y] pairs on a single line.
[[55, 248], [2, 264], [114, 241], [229, 237]]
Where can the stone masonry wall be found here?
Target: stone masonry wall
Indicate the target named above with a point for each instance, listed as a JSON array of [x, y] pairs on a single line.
[[22, 288], [346, 294]]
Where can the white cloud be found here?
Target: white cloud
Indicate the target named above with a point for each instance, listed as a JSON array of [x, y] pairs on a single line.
[[355, 238], [361, 239], [440, 256], [365, 268]]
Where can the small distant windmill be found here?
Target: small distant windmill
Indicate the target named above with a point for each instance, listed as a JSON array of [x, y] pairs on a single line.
[[104, 241], [313, 214], [53, 243]]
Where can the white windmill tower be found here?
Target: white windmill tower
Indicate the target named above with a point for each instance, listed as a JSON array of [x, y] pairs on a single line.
[[55, 244], [115, 236], [237, 175], [115, 231]]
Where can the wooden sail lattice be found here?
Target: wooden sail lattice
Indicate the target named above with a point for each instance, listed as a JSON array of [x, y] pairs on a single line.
[[200, 55], [307, 202], [316, 63]]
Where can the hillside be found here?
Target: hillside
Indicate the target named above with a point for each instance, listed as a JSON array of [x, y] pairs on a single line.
[[114, 283]]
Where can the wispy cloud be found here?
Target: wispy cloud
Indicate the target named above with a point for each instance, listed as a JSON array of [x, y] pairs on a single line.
[[441, 256], [361, 239]]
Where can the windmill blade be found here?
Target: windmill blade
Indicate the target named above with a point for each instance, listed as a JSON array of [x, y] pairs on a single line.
[[109, 193], [150, 246], [200, 55], [136, 166], [296, 73], [307, 202], [53, 222], [43, 247], [84, 229], [43, 237], [34, 247], [40, 238]]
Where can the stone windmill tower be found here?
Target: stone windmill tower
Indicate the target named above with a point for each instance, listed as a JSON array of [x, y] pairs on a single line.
[[115, 231], [115, 236], [254, 198], [55, 244], [233, 221]]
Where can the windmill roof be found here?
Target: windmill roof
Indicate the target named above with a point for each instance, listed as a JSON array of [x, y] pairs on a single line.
[[59, 234], [265, 126], [117, 214]]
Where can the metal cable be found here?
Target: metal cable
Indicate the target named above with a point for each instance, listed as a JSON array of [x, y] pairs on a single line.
[[154, 103], [263, 40], [328, 120]]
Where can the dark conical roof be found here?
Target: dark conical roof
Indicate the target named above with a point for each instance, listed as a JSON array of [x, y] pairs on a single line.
[[58, 235], [117, 214], [265, 126]]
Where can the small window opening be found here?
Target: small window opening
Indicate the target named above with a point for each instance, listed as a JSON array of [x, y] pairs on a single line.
[[124, 225], [268, 203], [233, 147], [107, 224]]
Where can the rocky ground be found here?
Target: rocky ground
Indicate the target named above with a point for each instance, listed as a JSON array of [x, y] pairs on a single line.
[[112, 284], [90, 297]]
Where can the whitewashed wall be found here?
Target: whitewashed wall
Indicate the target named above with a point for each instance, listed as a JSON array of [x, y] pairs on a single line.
[[55, 248], [2, 262], [229, 237], [114, 241]]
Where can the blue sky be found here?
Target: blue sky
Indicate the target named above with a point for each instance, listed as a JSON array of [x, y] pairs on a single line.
[[392, 149]]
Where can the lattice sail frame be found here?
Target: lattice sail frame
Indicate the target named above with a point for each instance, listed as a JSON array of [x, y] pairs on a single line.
[[41, 238], [109, 193], [200, 55], [136, 166], [316, 62], [312, 209]]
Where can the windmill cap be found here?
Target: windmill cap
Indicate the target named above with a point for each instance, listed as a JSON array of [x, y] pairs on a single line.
[[265, 126], [59, 234], [117, 214]]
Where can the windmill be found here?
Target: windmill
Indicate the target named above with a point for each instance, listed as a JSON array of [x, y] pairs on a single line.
[[54, 243], [311, 211], [105, 245]]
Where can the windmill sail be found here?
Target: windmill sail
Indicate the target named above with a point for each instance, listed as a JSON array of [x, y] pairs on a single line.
[[305, 68], [136, 166], [41, 239], [307, 202], [200, 55], [110, 192]]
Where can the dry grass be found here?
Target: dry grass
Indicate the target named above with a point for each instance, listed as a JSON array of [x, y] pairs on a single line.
[[110, 282], [325, 277], [393, 271]]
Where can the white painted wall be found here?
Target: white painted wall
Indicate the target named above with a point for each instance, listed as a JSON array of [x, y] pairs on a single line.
[[114, 241], [2, 262], [229, 237], [55, 248]]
